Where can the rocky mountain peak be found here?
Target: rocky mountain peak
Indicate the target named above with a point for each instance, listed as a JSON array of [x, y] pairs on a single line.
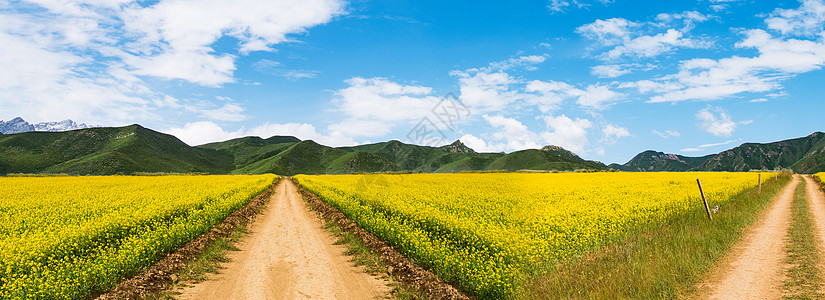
[[457, 147], [18, 125]]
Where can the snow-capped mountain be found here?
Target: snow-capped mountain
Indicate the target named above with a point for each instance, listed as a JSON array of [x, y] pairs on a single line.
[[18, 125]]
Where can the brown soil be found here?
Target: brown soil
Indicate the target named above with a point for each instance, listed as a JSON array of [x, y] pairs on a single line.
[[159, 276], [755, 267], [288, 255], [401, 267]]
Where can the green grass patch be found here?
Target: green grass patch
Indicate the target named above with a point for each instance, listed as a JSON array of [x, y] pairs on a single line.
[[664, 262], [803, 280]]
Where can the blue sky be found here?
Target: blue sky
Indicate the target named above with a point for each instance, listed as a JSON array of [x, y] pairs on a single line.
[[605, 79]]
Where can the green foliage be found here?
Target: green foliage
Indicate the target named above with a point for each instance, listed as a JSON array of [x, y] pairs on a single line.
[[653, 161], [106, 151]]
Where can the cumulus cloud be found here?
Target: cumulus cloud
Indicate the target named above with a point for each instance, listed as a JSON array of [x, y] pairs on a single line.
[[610, 32], [609, 71], [373, 106], [716, 121], [516, 134], [627, 40], [612, 133], [549, 94], [510, 134], [175, 43], [806, 20], [97, 54], [484, 92], [566, 132], [798, 48], [202, 132]]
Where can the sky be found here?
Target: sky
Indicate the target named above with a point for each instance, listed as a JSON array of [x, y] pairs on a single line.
[[604, 79]]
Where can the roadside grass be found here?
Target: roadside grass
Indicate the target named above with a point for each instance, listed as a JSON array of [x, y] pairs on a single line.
[[803, 280], [210, 260], [664, 262], [362, 256]]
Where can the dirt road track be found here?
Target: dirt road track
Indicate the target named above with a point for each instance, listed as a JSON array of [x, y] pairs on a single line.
[[755, 269], [288, 255], [816, 200]]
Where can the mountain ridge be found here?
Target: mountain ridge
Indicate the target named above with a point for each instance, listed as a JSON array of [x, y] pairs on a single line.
[[130, 149]]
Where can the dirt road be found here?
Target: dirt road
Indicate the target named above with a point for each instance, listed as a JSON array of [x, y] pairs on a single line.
[[288, 255], [756, 268], [817, 203]]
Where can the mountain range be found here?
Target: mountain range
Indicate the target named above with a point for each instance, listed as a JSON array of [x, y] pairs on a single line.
[[18, 125], [130, 149]]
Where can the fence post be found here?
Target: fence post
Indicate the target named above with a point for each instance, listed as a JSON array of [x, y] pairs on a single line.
[[707, 208], [760, 183]]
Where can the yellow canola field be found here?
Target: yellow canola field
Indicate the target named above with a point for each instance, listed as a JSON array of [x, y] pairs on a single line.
[[68, 237], [488, 232], [820, 176]]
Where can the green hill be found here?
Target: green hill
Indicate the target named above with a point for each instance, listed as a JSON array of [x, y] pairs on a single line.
[[413, 157], [249, 150], [114, 150], [105, 151], [533, 159], [654, 161], [804, 155]]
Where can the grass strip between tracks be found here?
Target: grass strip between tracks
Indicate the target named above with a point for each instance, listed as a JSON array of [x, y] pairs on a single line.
[[803, 280]]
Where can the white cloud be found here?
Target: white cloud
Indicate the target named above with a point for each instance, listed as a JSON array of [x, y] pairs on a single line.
[[94, 54], [687, 16], [779, 58], [560, 6], [476, 143], [567, 133], [612, 133], [276, 68], [627, 39], [516, 134], [515, 62], [758, 100], [609, 32], [510, 134], [228, 112], [484, 92], [302, 131], [597, 97], [705, 146], [548, 95], [715, 121], [806, 20], [175, 43], [609, 71], [202, 132], [666, 134], [373, 106]]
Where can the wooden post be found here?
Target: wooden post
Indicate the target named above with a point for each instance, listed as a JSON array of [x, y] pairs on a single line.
[[707, 208], [760, 183]]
